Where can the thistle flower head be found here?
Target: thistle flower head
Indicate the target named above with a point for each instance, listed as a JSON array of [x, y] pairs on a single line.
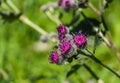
[[61, 29], [61, 36], [54, 57], [80, 39], [72, 51], [64, 46], [66, 4]]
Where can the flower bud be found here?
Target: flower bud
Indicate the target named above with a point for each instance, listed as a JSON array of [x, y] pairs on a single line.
[[62, 29], [61, 36], [64, 47], [66, 4], [54, 57], [80, 40], [44, 38]]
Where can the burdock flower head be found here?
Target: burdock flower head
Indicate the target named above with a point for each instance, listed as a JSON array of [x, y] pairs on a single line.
[[80, 40], [64, 46], [61, 36], [54, 57], [66, 4], [61, 29]]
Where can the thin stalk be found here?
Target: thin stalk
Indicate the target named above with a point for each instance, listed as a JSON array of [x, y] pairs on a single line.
[[92, 56], [53, 18], [90, 71], [12, 6], [91, 6], [4, 74], [24, 19], [109, 44], [93, 73]]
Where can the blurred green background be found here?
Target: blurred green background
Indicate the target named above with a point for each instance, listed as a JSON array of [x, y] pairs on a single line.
[[24, 59]]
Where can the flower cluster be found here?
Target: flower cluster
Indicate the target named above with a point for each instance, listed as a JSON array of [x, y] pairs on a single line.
[[68, 46]]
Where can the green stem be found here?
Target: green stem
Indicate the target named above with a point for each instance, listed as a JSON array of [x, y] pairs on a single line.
[[92, 56], [4, 74], [109, 44], [12, 6], [53, 18], [24, 19], [91, 72], [98, 12]]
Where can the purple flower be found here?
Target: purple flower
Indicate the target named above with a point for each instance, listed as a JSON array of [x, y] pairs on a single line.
[[64, 47], [65, 3], [54, 57], [60, 2], [61, 36], [61, 29], [80, 40]]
